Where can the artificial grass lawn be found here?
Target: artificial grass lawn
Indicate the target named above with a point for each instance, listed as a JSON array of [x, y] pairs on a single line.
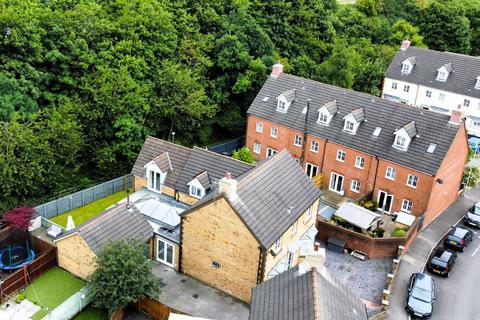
[[91, 313], [90, 210], [51, 289]]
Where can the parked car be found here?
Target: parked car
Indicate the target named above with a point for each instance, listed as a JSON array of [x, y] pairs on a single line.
[[472, 217], [420, 296], [441, 261], [458, 238]]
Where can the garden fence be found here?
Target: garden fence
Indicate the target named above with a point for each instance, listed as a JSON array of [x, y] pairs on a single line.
[[229, 146], [81, 198], [73, 305]]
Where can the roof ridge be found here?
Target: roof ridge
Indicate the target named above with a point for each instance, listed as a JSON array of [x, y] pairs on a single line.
[[101, 216], [316, 302], [222, 156], [258, 168], [167, 142]]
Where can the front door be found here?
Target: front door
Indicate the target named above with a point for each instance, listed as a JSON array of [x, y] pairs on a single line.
[[336, 182], [385, 201], [165, 252], [311, 170]]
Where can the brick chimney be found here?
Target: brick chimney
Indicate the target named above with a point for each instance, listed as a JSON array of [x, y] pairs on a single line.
[[405, 45], [228, 186], [277, 69], [457, 116]]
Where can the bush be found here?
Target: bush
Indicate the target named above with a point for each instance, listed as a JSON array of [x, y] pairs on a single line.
[[377, 233], [21, 296], [243, 154], [399, 233], [371, 205], [471, 175]]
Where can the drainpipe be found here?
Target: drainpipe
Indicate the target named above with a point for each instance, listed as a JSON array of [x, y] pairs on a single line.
[[262, 259], [305, 127], [375, 177], [323, 155], [180, 247]]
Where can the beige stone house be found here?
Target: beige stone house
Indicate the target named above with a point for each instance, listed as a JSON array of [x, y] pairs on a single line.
[[168, 179], [251, 228], [78, 249]]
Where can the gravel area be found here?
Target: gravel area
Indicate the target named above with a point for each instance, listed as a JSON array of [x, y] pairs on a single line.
[[365, 278]]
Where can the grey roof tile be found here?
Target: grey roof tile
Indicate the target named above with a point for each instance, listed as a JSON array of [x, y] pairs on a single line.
[[271, 197], [204, 180], [358, 114], [411, 129], [114, 224], [163, 162], [431, 127], [293, 295], [464, 70], [331, 106], [289, 95], [187, 163]]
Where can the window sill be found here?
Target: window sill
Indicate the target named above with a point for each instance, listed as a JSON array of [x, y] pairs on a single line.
[[413, 187], [361, 168], [314, 151], [391, 179], [342, 161], [355, 191], [306, 221]]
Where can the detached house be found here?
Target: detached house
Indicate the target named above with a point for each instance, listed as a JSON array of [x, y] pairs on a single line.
[[405, 158], [251, 228], [437, 81], [168, 178]]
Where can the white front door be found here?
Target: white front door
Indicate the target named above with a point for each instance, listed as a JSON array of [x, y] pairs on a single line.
[[385, 201], [165, 252], [336, 182]]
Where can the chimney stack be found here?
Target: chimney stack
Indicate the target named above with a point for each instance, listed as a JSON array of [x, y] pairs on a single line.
[[405, 45], [277, 70], [456, 117], [228, 186]]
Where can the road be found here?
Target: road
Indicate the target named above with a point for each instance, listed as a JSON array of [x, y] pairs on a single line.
[[456, 295]]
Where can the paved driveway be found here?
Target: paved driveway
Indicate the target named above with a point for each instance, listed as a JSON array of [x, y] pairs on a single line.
[[415, 259]]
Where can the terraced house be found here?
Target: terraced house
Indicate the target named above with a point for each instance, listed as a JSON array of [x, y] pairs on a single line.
[[251, 228], [437, 81], [406, 158]]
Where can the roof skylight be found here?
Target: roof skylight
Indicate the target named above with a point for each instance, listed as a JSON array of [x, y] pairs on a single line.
[[377, 131]]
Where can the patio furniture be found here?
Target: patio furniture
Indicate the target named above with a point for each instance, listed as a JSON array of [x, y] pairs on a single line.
[[54, 231], [335, 244]]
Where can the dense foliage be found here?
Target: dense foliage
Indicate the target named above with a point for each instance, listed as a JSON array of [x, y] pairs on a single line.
[[243, 154], [20, 217], [124, 275], [83, 82]]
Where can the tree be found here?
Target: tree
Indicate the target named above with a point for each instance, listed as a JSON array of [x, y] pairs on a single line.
[[19, 217], [243, 154], [444, 27], [402, 30], [124, 275]]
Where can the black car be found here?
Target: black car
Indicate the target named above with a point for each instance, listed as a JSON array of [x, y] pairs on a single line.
[[472, 217], [441, 261], [458, 238], [420, 296]]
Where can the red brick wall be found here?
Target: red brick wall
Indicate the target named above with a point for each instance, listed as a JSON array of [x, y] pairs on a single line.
[[374, 248], [450, 172]]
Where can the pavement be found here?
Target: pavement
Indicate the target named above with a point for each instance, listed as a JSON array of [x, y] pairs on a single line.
[[18, 311], [185, 294], [414, 261]]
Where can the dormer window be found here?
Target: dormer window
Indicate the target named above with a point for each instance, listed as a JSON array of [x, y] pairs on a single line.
[[406, 68], [326, 113], [199, 185], [349, 126], [196, 191], [443, 72], [156, 171], [353, 120], [477, 84], [284, 100], [407, 65], [404, 136]]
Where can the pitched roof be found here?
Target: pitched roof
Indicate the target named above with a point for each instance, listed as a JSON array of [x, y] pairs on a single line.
[[204, 180], [411, 129], [358, 114], [432, 127], [114, 224], [187, 163], [298, 295], [289, 95], [331, 107], [163, 162], [412, 60], [463, 70], [271, 197]]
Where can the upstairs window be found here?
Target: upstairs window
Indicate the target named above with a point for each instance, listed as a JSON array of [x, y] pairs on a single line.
[[406, 88], [412, 180], [295, 227], [349, 126], [277, 245], [308, 216], [441, 96], [441, 75], [154, 181], [359, 162], [341, 155], [390, 173], [273, 132], [196, 191], [323, 118], [394, 85], [259, 127], [407, 205], [298, 141], [314, 146], [355, 186], [257, 148], [405, 68], [400, 142], [466, 103], [428, 93]]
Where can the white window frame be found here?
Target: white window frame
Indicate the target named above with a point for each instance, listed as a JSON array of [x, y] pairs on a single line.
[[297, 141], [412, 181], [359, 162], [442, 76], [341, 155], [349, 126], [277, 245], [282, 105], [405, 68], [314, 146], [295, 227], [390, 173], [274, 132], [401, 142], [272, 152], [259, 127], [308, 216], [428, 93], [407, 206], [312, 166], [406, 88], [394, 85], [151, 185], [355, 186], [441, 96], [257, 148], [164, 258], [322, 118]]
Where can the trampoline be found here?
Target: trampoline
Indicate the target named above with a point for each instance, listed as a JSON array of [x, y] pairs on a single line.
[[15, 256]]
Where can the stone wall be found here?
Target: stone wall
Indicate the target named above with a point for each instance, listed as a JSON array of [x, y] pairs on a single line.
[[75, 256]]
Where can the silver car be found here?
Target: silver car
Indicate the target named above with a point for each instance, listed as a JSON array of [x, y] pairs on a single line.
[[472, 217]]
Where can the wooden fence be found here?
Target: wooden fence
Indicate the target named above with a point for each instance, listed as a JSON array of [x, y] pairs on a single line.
[[155, 309]]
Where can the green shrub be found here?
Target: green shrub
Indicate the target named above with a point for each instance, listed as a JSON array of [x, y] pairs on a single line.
[[371, 205], [399, 232], [377, 233], [21, 296]]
